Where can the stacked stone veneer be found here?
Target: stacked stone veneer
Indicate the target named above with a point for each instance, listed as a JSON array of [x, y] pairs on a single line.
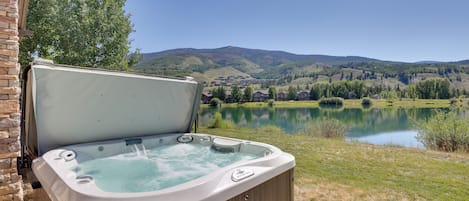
[[10, 181]]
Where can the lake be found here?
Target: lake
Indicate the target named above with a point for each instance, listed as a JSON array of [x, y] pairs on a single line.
[[388, 126]]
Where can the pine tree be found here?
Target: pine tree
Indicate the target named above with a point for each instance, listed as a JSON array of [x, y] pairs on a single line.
[[248, 94], [272, 93], [291, 93], [236, 93]]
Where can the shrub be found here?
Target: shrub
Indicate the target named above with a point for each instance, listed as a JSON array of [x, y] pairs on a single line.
[[445, 131], [215, 102], [366, 102], [453, 101], [327, 128], [218, 122], [271, 102], [331, 101], [271, 129]]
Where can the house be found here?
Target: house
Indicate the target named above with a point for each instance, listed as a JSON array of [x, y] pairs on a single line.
[[303, 95], [260, 95], [206, 97], [282, 96], [228, 97], [376, 96]]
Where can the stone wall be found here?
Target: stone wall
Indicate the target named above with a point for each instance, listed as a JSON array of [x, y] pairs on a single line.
[[10, 181]]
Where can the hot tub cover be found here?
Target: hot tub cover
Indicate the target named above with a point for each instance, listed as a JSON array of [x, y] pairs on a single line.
[[75, 105]]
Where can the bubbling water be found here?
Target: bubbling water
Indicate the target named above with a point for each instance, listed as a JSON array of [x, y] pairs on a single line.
[[157, 168]]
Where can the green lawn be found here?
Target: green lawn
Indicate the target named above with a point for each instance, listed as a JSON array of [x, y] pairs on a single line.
[[419, 103], [331, 169]]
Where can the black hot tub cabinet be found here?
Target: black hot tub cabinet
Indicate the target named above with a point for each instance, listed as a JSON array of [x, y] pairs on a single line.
[[76, 115]]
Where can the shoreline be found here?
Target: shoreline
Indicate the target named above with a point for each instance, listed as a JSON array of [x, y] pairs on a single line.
[[355, 103]]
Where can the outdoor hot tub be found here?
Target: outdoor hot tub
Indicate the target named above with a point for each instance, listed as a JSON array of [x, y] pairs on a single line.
[[114, 136], [159, 168]]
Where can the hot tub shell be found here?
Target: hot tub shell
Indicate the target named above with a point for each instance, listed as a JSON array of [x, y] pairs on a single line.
[[61, 183], [80, 110]]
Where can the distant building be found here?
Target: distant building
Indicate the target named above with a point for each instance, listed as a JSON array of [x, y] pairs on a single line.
[[282, 96], [303, 95], [376, 96], [260, 95], [206, 97], [228, 97]]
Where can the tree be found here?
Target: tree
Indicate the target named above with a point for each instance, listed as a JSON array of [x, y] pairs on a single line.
[[433, 89], [248, 94], [79, 32], [236, 93], [219, 93], [411, 91], [291, 93], [358, 87], [272, 93], [314, 93], [134, 58], [215, 102]]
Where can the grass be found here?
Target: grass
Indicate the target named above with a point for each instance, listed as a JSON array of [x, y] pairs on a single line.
[[418, 103], [331, 169]]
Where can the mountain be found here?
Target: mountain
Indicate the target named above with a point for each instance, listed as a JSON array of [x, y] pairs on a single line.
[[463, 62], [262, 58], [232, 64], [428, 62]]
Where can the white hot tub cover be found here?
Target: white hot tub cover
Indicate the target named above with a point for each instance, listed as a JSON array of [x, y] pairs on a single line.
[[76, 105]]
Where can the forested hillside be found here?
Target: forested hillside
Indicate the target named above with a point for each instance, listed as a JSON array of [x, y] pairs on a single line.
[[235, 65]]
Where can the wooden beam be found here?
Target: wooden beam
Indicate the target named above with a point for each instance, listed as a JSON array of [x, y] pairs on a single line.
[[22, 13]]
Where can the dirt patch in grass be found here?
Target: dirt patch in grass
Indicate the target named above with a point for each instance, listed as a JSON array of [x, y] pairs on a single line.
[[308, 190]]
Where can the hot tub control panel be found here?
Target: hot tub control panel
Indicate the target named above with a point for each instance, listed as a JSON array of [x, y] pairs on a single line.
[[241, 173]]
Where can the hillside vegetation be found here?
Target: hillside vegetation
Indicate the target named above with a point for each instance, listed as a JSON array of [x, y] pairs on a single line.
[[283, 68]]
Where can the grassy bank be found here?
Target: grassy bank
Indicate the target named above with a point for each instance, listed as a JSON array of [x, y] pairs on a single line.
[[419, 103], [329, 169]]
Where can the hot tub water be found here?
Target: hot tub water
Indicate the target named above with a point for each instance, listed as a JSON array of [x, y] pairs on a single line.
[[156, 168]]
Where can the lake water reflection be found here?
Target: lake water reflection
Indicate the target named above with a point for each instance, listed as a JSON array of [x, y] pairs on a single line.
[[375, 126]]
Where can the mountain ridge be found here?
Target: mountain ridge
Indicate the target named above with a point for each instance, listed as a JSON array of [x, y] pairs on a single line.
[[151, 55], [320, 58], [208, 65]]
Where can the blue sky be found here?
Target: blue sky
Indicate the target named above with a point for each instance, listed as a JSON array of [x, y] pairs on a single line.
[[398, 30]]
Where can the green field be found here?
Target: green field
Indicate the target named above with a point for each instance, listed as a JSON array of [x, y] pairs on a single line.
[[329, 169], [418, 103]]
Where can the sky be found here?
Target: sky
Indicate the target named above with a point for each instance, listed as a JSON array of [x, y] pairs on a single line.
[[395, 30]]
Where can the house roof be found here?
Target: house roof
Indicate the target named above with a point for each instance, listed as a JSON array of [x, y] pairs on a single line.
[[207, 93], [262, 91]]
